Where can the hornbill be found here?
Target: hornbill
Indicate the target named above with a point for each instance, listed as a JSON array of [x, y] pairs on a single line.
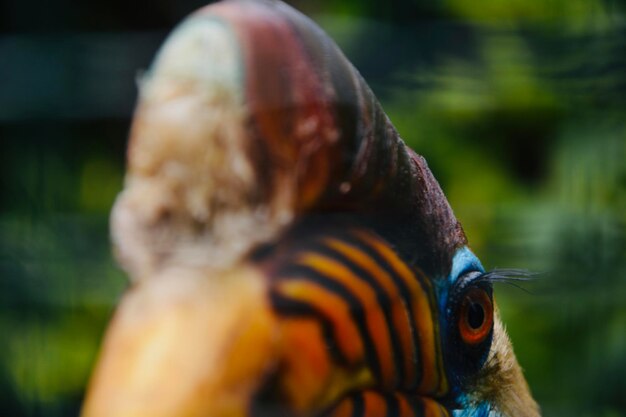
[[288, 254]]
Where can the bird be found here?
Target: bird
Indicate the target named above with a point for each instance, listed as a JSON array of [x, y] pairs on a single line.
[[288, 254]]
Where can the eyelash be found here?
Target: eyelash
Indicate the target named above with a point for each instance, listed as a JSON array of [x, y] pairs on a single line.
[[509, 276]]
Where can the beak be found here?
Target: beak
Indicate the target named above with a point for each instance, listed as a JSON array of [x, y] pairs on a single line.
[[180, 345]]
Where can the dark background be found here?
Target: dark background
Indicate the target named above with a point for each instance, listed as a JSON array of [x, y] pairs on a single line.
[[518, 105]]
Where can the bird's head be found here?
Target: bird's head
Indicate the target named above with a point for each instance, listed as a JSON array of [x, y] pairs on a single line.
[[287, 252]]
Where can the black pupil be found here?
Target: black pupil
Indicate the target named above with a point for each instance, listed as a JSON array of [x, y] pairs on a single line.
[[475, 315]]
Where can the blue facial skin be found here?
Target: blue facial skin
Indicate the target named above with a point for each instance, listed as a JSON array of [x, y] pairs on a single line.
[[483, 410], [463, 262]]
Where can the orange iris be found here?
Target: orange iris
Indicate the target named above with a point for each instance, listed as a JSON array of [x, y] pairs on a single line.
[[476, 318]]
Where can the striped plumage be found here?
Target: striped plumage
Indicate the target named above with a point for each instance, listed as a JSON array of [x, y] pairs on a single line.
[[373, 403], [357, 304], [289, 254]]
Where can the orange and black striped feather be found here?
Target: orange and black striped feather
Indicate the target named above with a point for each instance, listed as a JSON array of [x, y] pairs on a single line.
[[355, 283]]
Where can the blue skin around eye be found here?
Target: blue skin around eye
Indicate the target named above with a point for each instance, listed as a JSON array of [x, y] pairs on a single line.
[[464, 261], [482, 410]]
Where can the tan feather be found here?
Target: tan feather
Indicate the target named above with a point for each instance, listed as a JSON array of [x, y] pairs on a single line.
[[501, 381]]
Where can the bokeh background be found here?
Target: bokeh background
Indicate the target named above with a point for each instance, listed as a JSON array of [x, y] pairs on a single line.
[[518, 105]]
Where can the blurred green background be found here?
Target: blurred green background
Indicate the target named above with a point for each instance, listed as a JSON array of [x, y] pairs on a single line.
[[518, 105]]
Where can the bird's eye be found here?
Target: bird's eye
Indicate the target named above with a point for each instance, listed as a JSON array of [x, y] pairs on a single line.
[[476, 316]]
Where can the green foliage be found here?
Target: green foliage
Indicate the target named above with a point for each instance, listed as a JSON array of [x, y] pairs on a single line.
[[518, 107]]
